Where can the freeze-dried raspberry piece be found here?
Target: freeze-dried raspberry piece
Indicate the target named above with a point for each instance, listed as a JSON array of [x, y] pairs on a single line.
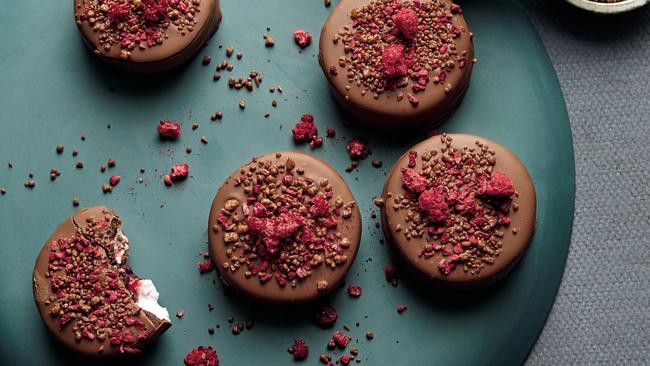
[[434, 204], [304, 132], [401, 308], [354, 290], [413, 181], [406, 20], [299, 349], [413, 155], [390, 271], [499, 185], [345, 360], [114, 180], [446, 266], [325, 316], [303, 38], [286, 224], [169, 129], [179, 171], [357, 149], [205, 266], [202, 356], [319, 207], [341, 339], [257, 225], [118, 12], [466, 205], [393, 61]]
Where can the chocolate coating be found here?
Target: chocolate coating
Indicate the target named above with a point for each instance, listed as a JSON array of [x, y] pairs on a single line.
[[514, 246], [43, 291], [174, 51], [306, 289], [386, 112]]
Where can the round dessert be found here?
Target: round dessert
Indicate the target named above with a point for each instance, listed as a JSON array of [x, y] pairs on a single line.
[[397, 65], [146, 36], [87, 295], [284, 229], [459, 210]]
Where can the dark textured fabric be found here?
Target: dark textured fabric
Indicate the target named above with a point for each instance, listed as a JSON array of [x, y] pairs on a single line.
[[602, 312]]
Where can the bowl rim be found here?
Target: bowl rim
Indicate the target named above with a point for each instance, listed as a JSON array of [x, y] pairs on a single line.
[[608, 8]]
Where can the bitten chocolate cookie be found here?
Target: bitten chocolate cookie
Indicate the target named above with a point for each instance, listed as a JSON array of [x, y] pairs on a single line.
[[459, 210], [87, 295], [146, 36], [284, 228], [397, 65]]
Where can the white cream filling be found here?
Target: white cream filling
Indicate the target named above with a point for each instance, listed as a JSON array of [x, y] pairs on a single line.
[[148, 299], [121, 246]]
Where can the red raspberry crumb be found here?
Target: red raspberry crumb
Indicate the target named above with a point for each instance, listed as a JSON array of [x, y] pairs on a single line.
[[354, 290], [413, 155], [169, 129], [357, 149], [390, 271], [319, 207], [345, 359], [180, 313], [406, 20], [433, 203], [393, 61], [499, 185], [179, 171], [334, 70], [299, 349], [446, 266], [325, 316], [413, 181], [168, 180], [118, 12], [401, 308], [303, 38], [412, 99], [316, 142], [206, 266], [330, 132], [341, 339], [202, 356], [114, 180], [305, 130]]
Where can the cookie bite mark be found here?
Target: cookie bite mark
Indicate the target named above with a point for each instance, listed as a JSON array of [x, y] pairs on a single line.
[[459, 210], [397, 65], [285, 228], [87, 296], [146, 36]]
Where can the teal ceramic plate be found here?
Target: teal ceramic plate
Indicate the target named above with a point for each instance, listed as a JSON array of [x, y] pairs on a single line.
[[53, 90]]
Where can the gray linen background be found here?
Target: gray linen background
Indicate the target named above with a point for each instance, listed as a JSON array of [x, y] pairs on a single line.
[[602, 311]]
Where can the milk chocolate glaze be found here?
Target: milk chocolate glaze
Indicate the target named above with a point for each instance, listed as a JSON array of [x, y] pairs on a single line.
[[514, 246], [386, 112], [43, 292], [306, 289], [174, 51]]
